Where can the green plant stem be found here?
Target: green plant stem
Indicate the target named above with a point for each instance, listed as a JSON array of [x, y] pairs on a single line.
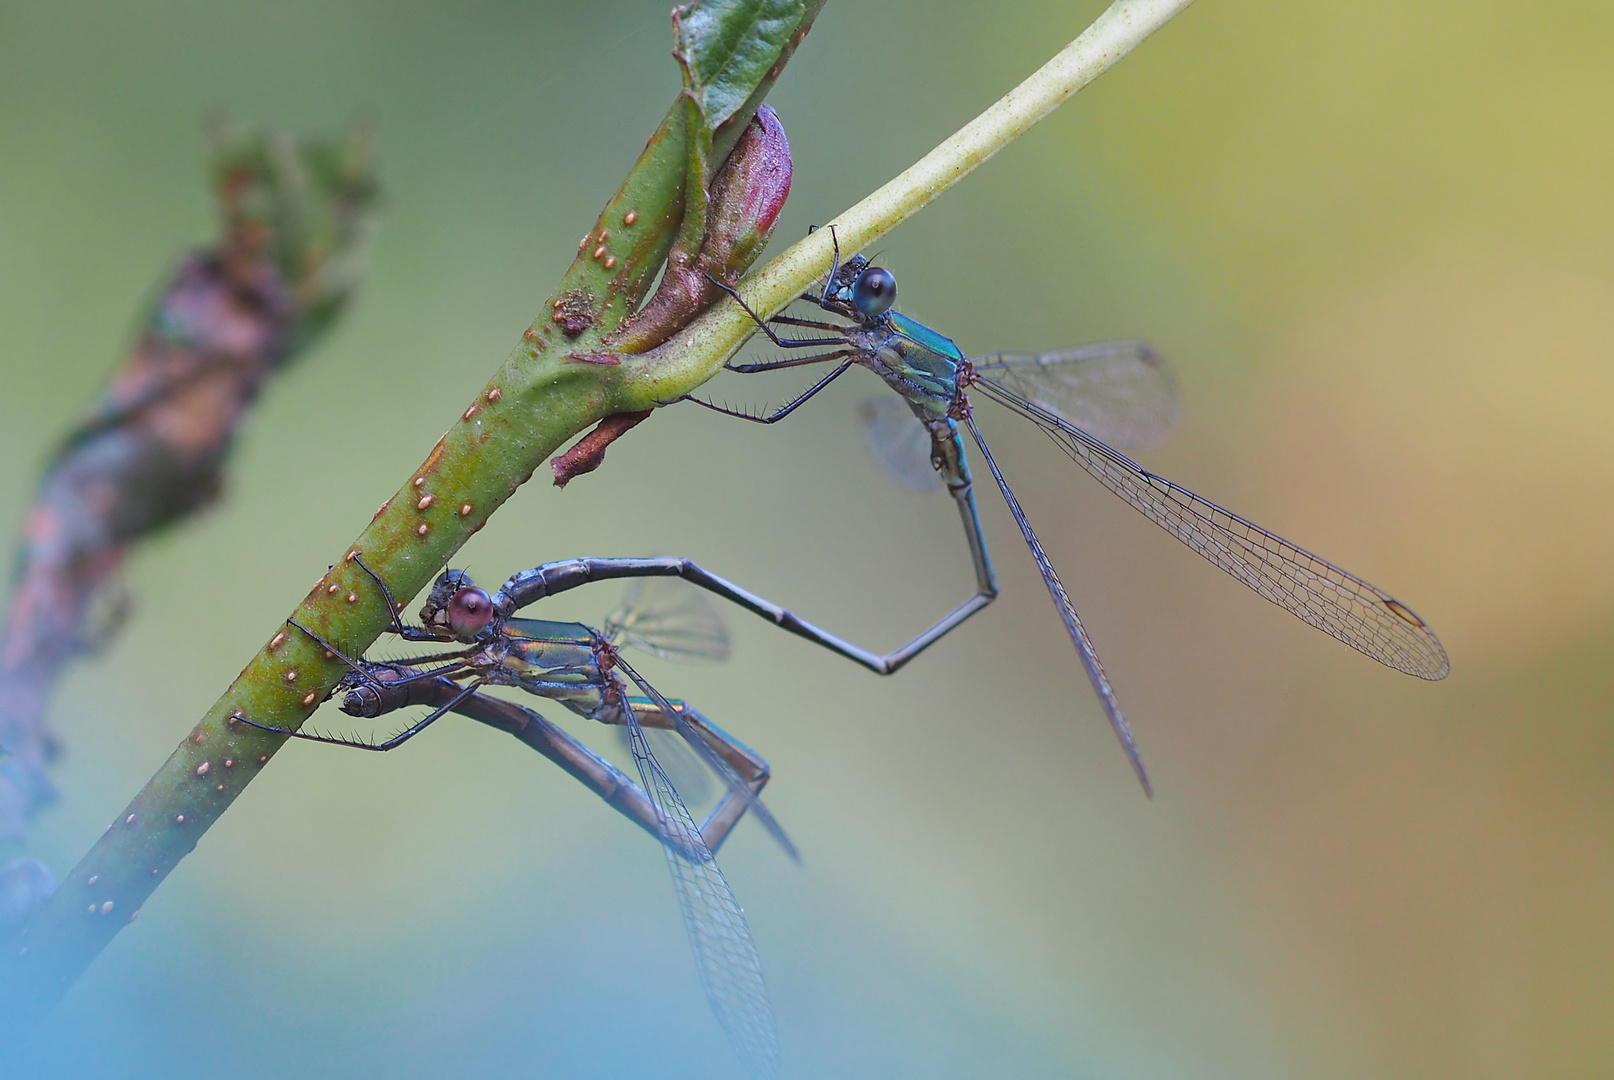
[[666, 374], [551, 389]]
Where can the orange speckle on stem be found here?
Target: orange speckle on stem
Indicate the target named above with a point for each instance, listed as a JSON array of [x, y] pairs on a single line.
[[425, 502], [630, 217], [352, 598], [277, 641], [308, 698], [202, 769], [468, 413], [420, 481], [332, 589], [291, 676], [610, 263], [465, 509], [423, 529], [599, 252], [432, 459], [494, 393]]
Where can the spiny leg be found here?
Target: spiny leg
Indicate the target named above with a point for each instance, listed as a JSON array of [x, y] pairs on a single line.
[[408, 633], [790, 362], [366, 672], [359, 744], [781, 413], [834, 268], [363, 670], [762, 324], [811, 324]]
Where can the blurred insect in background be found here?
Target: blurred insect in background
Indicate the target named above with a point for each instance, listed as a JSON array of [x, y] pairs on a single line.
[[1087, 401]]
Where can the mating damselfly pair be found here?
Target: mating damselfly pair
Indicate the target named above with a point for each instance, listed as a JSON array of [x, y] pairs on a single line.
[[1093, 402]]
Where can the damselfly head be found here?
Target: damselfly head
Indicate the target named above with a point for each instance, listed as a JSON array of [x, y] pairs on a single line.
[[457, 607], [846, 275]]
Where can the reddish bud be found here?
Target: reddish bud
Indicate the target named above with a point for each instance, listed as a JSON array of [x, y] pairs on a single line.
[[745, 199], [747, 195]]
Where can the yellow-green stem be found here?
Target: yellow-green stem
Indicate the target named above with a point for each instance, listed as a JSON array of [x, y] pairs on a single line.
[[673, 370]]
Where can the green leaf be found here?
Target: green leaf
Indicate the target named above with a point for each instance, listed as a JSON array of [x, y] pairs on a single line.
[[727, 48]]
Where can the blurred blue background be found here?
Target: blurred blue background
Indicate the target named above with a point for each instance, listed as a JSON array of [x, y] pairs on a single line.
[[1377, 241]]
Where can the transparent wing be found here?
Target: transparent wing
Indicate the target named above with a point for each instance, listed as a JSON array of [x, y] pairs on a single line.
[[1073, 622], [1337, 602], [670, 618], [1119, 391], [732, 780], [687, 772], [730, 969], [899, 442]]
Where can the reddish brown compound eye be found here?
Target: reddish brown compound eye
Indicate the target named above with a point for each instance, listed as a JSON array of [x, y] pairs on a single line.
[[470, 612]]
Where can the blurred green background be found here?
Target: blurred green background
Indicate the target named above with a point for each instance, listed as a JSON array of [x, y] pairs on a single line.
[[1377, 241]]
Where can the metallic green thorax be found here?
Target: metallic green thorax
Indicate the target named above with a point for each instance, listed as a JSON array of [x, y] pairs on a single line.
[[924, 367], [559, 661], [914, 360]]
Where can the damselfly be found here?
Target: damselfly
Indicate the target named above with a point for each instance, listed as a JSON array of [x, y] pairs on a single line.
[[582, 668], [1084, 400]]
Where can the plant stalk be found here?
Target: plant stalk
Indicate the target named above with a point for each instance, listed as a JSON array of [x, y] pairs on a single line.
[[552, 388]]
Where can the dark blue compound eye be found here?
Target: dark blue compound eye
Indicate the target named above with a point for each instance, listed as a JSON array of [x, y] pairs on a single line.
[[874, 291]]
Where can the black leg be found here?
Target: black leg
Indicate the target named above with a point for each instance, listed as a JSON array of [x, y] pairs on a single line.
[[736, 784], [359, 744], [781, 413], [751, 766], [834, 268], [408, 633], [811, 324], [457, 655], [783, 343], [529, 586], [789, 362]]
